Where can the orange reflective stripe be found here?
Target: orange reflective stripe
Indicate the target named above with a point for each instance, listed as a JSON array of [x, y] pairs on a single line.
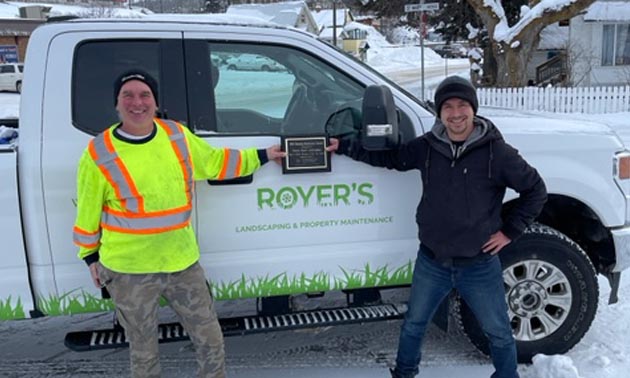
[[133, 218], [96, 157], [237, 169], [86, 239], [146, 231], [149, 213], [231, 164], [226, 157], [104, 154], [149, 223], [127, 177], [180, 146]]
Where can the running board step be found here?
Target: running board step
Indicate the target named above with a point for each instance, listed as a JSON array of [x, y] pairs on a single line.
[[115, 338]]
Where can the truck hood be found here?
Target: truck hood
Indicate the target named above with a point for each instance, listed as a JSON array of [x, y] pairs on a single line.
[[520, 122]]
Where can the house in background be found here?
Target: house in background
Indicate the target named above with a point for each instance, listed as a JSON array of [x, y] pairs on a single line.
[[591, 49], [16, 25], [599, 45], [547, 64], [331, 23], [289, 13]]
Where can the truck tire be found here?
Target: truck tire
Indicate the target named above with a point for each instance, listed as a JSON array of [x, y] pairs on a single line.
[[552, 292], [18, 87]]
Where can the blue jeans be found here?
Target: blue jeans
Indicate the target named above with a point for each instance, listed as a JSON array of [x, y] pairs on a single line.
[[480, 284]]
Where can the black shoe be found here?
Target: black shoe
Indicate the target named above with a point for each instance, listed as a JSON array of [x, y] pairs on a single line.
[[396, 374]]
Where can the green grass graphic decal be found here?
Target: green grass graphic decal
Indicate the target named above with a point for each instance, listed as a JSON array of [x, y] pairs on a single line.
[[379, 277], [282, 284], [11, 311], [79, 301], [74, 302]]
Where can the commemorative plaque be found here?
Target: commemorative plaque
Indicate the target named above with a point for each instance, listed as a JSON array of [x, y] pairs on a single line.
[[305, 154]]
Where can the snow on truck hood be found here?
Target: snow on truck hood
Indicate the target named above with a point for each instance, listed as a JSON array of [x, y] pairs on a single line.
[[514, 121]]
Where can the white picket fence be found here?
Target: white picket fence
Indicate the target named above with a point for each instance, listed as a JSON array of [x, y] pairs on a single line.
[[557, 100]]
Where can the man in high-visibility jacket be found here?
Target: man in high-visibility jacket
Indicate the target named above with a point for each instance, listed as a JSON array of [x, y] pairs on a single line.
[[135, 188]]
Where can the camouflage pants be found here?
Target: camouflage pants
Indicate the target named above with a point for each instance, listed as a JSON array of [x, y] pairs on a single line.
[[136, 297]]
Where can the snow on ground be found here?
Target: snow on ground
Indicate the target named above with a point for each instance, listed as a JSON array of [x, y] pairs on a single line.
[[386, 57], [604, 352], [9, 105]]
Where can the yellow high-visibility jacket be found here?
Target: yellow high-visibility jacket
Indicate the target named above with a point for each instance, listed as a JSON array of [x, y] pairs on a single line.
[[135, 199]]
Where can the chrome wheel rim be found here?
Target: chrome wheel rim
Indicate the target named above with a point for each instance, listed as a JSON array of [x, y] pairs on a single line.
[[539, 298]]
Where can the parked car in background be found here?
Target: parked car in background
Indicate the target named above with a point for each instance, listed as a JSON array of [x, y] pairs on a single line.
[[253, 62], [450, 51], [11, 77]]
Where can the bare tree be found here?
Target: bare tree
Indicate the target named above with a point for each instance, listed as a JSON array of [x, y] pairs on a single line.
[[580, 62], [513, 45], [99, 11]]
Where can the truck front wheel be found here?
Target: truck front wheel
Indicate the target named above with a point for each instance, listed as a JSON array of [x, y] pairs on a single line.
[[551, 290]]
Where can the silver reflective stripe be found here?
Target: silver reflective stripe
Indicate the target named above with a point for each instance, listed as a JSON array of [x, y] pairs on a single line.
[[179, 139], [232, 164], [82, 239], [107, 160], [134, 224]]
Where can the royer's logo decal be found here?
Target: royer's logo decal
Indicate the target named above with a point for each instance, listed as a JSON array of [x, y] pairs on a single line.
[[288, 197]]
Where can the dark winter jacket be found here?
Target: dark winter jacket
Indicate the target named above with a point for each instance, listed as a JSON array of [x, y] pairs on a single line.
[[463, 189]]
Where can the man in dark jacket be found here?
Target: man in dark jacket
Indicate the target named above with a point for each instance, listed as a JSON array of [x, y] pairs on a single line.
[[466, 167]]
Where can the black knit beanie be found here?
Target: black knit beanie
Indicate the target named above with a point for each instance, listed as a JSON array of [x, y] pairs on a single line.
[[136, 75], [455, 86]]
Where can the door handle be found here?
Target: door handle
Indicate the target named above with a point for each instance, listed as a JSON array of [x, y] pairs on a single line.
[[235, 181]]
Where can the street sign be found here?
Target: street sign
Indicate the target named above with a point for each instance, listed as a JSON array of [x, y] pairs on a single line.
[[8, 54], [422, 7]]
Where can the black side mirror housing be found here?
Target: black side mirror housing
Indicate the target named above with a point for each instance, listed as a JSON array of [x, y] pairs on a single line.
[[380, 119]]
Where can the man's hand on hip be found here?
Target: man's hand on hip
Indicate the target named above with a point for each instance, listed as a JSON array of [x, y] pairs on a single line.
[[496, 242]]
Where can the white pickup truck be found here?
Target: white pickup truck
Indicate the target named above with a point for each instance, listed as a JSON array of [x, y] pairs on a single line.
[[277, 234]]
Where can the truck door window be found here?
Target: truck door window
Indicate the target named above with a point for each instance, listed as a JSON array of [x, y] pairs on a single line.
[[273, 90], [98, 63]]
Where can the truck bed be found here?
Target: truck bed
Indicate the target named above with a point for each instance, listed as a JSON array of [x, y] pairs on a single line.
[[15, 294]]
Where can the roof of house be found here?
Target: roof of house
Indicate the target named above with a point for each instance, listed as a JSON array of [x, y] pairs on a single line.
[[327, 33], [324, 17], [554, 37], [285, 13], [608, 11]]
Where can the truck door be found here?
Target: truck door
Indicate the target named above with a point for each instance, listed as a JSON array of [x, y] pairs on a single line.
[[276, 233], [79, 104]]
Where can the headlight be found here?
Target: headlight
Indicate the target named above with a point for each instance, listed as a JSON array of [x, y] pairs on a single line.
[[621, 165], [621, 174]]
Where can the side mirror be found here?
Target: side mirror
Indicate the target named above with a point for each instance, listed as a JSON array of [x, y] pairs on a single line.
[[380, 119]]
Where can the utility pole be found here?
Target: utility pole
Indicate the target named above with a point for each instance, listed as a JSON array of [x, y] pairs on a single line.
[[422, 48], [422, 7], [334, 23]]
